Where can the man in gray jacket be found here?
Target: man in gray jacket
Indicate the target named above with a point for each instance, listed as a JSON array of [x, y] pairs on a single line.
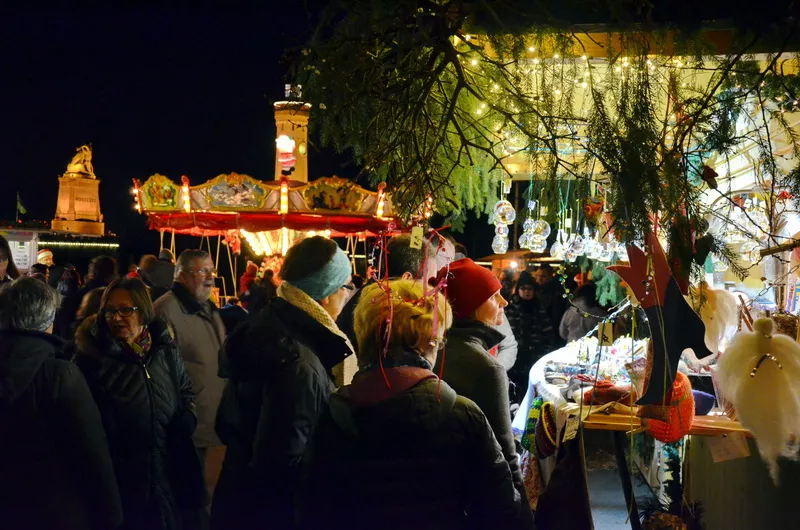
[[199, 333]]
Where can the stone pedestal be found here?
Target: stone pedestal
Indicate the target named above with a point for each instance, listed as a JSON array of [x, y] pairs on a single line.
[[78, 208]]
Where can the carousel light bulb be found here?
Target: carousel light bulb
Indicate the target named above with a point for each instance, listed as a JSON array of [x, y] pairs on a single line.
[[467, 38], [483, 105], [531, 49], [474, 62], [555, 56], [536, 61], [187, 203], [284, 196], [478, 111], [584, 58]]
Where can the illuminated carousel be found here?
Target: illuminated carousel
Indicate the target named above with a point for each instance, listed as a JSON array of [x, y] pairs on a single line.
[[269, 215]]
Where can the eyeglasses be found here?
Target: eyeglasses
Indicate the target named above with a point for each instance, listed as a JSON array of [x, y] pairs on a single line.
[[204, 272], [122, 311]]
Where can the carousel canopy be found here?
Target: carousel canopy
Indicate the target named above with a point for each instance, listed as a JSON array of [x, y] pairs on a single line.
[[234, 202]]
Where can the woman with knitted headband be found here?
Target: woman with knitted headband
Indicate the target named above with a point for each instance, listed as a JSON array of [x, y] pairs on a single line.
[[469, 365], [398, 448], [280, 371]]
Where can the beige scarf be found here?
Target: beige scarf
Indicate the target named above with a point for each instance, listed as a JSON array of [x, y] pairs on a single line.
[[345, 370]]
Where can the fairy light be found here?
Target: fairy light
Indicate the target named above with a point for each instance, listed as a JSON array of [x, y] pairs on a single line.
[[78, 244], [428, 211], [187, 201], [474, 62], [284, 196]]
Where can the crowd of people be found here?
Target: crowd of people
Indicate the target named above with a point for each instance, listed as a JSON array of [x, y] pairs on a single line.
[[333, 405]]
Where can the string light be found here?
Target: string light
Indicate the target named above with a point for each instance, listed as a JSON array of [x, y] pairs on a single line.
[[74, 244]]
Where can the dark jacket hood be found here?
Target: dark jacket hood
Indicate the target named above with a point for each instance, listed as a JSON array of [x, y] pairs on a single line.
[[417, 401], [92, 341], [272, 338], [472, 330], [22, 353]]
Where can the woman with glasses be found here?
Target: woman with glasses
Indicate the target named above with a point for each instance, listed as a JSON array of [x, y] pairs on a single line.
[[8, 271], [398, 448], [280, 370], [140, 385]]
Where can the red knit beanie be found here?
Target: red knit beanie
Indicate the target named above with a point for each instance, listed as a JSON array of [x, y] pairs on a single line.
[[468, 286]]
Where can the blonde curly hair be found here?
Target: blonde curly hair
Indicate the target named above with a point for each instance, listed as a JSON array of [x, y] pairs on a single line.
[[412, 321]]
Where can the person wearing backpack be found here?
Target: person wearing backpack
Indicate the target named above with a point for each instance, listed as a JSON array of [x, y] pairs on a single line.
[[280, 368]]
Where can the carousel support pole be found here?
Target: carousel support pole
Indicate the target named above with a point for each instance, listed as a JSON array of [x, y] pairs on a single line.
[[233, 271], [160, 239], [172, 244], [627, 488]]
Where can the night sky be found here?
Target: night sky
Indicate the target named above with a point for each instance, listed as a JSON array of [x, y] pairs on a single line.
[[154, 91]]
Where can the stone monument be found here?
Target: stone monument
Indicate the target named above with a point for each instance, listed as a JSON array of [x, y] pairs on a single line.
[[78, 207]]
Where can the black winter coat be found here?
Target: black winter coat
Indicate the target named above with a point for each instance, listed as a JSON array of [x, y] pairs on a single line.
[[534, 332], [421, 459], [278, 370], [475, 374], [141, 403], [55, 467]]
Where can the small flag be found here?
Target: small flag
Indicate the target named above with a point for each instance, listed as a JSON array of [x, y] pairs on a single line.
[[20, 208]]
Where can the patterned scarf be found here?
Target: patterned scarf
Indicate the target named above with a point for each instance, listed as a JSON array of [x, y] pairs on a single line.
[[139, 348], [344, 371]]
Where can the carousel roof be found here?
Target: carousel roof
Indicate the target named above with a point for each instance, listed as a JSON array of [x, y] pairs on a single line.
[[239, 202]]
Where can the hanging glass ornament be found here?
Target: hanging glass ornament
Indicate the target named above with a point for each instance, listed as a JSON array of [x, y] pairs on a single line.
[[504, 212], [593, 248], [501, 230], [577, 246], [605, 254], [719, 265], [525, 241], [541, 228], [570, 255], [527, 225], [500, 244], [538, 244]]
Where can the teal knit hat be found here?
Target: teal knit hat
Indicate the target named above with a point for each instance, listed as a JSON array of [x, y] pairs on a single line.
[[326, 281]]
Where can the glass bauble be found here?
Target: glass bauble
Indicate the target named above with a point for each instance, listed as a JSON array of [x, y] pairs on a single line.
[[528, 224], [719, 265], [501, 230], [525, 240], [557, 250], [570, 255], [592, 248], [500, 244], [605, 254], [538, 244], [541, 228], [504, 212], [578, 246]]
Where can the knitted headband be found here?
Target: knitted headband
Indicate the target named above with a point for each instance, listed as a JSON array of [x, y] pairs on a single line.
[[328, 279]]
